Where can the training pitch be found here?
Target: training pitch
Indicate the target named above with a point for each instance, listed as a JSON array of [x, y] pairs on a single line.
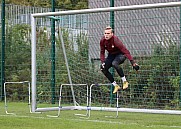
[[23, 119]]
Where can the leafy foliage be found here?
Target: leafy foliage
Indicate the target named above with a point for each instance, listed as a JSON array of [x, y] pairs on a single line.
[[61, 4], [18, 51], [158, 86]]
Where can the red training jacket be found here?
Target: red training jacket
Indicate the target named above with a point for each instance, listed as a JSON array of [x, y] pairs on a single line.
[[113, 46]]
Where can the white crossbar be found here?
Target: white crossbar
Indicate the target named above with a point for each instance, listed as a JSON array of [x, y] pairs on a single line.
[[120, 8]]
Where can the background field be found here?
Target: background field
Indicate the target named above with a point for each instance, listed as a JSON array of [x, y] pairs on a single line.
[[67, 120]]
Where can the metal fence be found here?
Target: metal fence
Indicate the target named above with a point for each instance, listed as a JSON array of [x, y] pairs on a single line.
[[153, 36]]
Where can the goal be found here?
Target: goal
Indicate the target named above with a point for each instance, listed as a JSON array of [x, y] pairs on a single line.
[[65, 50]]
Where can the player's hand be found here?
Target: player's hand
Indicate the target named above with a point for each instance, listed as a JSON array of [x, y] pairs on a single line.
[[102, 66], [136, 66]]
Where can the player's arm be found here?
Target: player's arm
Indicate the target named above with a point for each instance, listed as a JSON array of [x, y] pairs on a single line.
[[102, 54], [122, 48], [126, 52], [102, 51]]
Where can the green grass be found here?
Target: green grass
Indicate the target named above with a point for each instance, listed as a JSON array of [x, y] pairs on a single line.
[[67, 120]]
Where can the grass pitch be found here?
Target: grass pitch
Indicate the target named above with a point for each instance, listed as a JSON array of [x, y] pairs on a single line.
[[23, 119]]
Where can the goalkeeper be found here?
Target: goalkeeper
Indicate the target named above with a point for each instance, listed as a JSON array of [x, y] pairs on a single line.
[[117, 54]]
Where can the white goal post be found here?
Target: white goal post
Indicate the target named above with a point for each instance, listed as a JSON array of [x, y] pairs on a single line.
[[85, 11]]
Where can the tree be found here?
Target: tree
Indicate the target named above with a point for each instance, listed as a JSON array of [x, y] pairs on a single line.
[[18, 51], [59, 4]]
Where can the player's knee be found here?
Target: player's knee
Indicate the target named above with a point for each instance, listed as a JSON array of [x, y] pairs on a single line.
[[115, 64], [104, 71]]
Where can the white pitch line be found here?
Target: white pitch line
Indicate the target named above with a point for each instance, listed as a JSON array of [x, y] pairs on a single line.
[[124, 123], [96, 121]]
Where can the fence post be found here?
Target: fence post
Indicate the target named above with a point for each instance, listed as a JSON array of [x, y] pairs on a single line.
[[180, 59], [112, 26], [53, 54], [2, 49]]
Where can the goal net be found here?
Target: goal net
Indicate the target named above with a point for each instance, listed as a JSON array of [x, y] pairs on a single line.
[[70, 55]]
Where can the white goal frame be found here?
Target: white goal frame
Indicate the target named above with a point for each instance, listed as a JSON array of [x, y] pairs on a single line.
[[86, 11], [76, 106]]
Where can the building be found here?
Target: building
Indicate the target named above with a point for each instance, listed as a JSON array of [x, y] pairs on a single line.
[[139, 30]]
